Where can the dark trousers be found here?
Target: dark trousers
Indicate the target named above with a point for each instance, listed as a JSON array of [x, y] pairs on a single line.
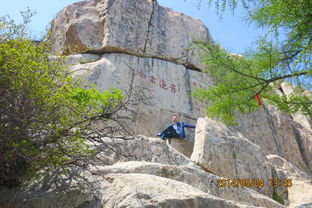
[[169, 132]]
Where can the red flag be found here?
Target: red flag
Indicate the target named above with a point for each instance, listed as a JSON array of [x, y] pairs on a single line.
[[258, 99]]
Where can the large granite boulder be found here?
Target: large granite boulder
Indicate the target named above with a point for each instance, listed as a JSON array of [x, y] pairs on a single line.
[[124, 37], [155, 157], [118, 190], [192, 175], [303, 120], [141, 27], [289, 136], [160, 177], [300, 191], [142, 190], [140, 148], [278, 133], [229, 154], [167, 85]]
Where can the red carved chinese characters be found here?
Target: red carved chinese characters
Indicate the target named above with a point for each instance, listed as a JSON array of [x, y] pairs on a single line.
[[153, 79], [173, 88], [163, 84]]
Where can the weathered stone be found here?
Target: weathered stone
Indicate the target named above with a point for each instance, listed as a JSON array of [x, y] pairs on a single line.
[[277, 133], [288, 168], [140, 148], [140, 27], [184, 146], [172, 182], [115, 70], [229, 154], [303, 137], [167, 83], [300, 191], [82, 58], [306, 205], [117, 190], [191, 175], [53, 192], [142, 190], [141, 38], [301, 119]]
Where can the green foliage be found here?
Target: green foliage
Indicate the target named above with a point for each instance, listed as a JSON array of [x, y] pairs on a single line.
[[277, 197], [285, 56], [45, 117], [233, 92], [92, 101], [234, 155], [221, 5]]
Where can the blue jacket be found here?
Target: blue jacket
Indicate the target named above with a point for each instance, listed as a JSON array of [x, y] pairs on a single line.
[[179, 128]]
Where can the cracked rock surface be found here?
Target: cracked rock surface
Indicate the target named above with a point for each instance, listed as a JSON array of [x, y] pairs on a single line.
[[140, 27], [155, 175]]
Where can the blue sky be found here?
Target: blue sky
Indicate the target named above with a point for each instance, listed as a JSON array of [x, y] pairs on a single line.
[[232, 31]]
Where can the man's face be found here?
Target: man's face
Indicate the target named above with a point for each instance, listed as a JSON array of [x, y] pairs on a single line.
[[174, 119]]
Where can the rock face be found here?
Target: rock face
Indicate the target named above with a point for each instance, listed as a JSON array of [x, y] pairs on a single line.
[[109, 42], [192, 175], [305, 122], [301, 189], [141, 190], [125, 36], [183, 146], [277, 133], [228, 154], [164, 178], [140, 27], [168, 84], [289, 136]]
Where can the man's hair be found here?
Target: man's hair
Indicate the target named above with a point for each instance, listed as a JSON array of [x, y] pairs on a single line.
[[174, 115]]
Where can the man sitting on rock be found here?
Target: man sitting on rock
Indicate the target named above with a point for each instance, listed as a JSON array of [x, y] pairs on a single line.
[[175, 130]]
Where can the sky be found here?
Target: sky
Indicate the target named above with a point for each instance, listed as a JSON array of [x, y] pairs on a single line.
[[232, 32]]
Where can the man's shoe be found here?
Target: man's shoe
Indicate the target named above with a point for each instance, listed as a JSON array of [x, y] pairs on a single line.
[[159, 134]]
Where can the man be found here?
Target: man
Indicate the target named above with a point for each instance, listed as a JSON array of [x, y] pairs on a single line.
[[175, 130]]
